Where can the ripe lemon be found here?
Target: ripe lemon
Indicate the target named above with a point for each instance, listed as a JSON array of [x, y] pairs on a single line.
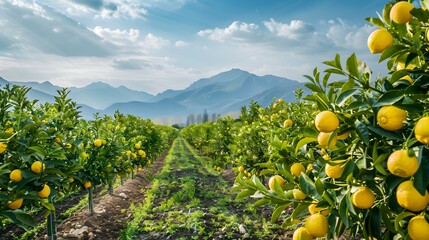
[[16, 175], [87, 184], [313, 209], [287, 123], [391, 118], [363, 198], [38, 167], [241, 169], [402, 165], [326, 121], [421, 130], [298, 194], [409, 198], [71, 179], [296, 169], [141, 153], [17, 203], [418, 228], [44, 193], [334, 171], [98, 142], [379, 40], [323, 139], [276, 178], [343, 136], [401, 65], [301, 233], [408, 79], [400, 12], [3, 147], [309, 167], [317, 225], [137, 146]]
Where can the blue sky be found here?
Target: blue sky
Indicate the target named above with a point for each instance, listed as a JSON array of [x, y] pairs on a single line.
[[154, 45]]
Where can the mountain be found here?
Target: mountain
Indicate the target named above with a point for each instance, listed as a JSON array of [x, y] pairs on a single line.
[[223, 93]]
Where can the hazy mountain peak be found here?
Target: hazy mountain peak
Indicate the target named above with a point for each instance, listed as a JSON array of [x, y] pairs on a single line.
[[98, 84]]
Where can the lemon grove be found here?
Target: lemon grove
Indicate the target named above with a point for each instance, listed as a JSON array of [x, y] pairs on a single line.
[[352, 157]]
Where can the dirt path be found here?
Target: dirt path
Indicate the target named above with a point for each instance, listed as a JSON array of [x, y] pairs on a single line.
[[111, 211]]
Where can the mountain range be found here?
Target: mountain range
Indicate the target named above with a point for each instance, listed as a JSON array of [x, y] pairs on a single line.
[[223, 93]]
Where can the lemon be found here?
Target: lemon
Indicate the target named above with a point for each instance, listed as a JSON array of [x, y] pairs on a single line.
[[87, 184], [296, 169], [317, 225], [334, 171], [98, 142], [401, 65], [3, 147], [137, 146], [44, 193], [379, 40], [408, 79], [276, 178], [402, 165], [343, 136], [400, 12], [287, 123], [71, 180], [17, 203], [141, 153], [363, 198], [421, 130], [309, 168], [301, 233], [409, 198], [391, 118], [323, 139], [326, 121], [313, 209], [241, 169], [298, 194], [38, 167], [16, 175], [418, 228]]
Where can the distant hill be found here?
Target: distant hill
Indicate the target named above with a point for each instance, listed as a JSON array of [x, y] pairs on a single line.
[[223, 93]]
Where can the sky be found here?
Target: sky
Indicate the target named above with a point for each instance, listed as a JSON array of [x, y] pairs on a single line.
[[155, 45]]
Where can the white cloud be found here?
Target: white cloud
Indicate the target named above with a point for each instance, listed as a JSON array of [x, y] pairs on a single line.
[[34, 7], [347, 36], [296, 30], [239, 31], [181, 43]]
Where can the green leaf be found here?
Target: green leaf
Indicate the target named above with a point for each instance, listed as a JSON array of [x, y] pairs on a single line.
[[352, 66], [385, 215], [391, 51], [278, 211], [303, 142], [244, 194], [384, 133], [421, 178], [375, 21], [374, 223], [314, 87], [24, 218], [357, 105], [308, 186], [261, 202], [300, 211], [346, 95], [362, 131], [343, 211], [398, 222], [389, 98]]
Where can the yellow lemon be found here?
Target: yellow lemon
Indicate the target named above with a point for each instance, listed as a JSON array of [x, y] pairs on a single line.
[[402, 165], [408, 79], [335, 171], [3, 147], [343, 136], [241, 169], [279, 179], [301, 233], [326, 121], [418, 228], [137, 146], [391, 118], [379, 40], [287, 123], [363, 198], [16, 175], [98, 142], [313, 209], [323, 139], [87, 184], [38, 167], [298, 194], [400, 12], [409, 198], [296, 169], [141, 153], [44, 193], [16, 204], [421, 130], [317, 225]]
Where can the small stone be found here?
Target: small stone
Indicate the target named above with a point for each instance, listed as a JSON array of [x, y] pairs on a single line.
[[123, 195], [72, 236], [81, 231], [241, 229], [246, 235]]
